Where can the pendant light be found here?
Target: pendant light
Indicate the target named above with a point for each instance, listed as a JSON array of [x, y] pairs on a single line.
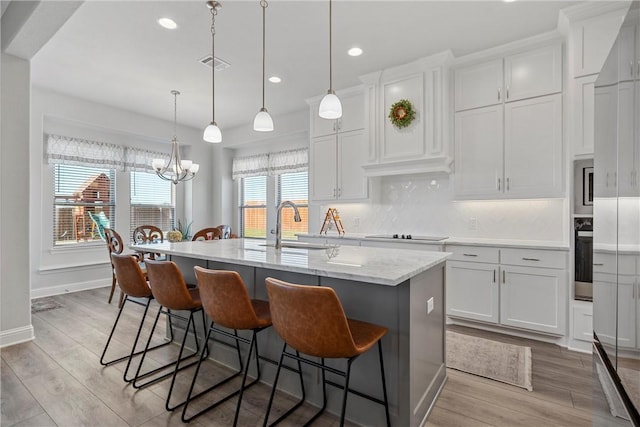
[[263, 121], [330, 106], [212, 132], [175, 170]]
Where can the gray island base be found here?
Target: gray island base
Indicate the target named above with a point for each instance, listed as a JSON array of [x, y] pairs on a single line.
[[400, 289]]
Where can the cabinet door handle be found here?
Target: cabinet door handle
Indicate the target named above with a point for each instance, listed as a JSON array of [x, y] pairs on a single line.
[[504, 276], [598, 264], [339, 192], [631, 68], [498, 184], [499, 94], [530, 259], [334, 192], [470, 254], [507, 184], [494, 275], [507, 91]]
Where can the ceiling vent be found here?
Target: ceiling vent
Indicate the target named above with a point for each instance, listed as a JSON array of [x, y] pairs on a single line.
[[219, 64]]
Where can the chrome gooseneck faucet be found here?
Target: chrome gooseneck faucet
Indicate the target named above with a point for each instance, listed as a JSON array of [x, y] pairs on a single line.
[[296, 218]]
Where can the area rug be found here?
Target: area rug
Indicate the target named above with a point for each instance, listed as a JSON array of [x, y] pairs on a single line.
[[44, 304], [507, 363]]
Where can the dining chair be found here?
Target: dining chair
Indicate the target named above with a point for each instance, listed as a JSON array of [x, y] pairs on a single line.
[[144, 234], [209, 233], [116, 246], [311, 320]]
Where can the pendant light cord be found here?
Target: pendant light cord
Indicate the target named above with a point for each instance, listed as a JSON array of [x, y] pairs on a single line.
[[263, 4], [330, 55], [214, 12]]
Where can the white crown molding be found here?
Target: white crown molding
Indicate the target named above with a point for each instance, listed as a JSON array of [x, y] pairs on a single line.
[[547, 38], [590, 9]]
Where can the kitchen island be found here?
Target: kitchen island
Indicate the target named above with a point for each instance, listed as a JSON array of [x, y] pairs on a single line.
[[400, 289]]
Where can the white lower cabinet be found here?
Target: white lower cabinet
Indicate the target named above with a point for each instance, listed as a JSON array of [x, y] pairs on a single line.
[[533, 298], [472, 291], [523, 288]]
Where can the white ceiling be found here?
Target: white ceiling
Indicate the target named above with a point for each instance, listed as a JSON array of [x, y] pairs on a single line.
[[114, 52]]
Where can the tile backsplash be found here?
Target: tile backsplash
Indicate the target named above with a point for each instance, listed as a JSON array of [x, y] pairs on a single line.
[[424, 205]]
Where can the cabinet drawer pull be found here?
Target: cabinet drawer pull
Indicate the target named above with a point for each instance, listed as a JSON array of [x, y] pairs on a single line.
[[494, 275], [470, 254], [598, 264], [507, 91], [507, 184], [530, 259], [504, 276], [498, 94], [498, 184]]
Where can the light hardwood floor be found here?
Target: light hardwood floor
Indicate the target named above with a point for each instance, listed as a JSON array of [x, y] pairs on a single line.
[[57, 380]]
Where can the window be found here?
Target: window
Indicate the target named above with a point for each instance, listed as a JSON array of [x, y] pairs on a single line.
[[152, 202], [253, 206], [294, 187], [84, 204]]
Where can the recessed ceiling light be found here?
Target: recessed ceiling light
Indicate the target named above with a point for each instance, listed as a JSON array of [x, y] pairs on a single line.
[[275, 79], [168, 23], [508, 1], [355, 51]]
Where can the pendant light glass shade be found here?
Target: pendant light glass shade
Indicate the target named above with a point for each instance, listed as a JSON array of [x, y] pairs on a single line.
[[330, 107], [263, 121], [212, 133]]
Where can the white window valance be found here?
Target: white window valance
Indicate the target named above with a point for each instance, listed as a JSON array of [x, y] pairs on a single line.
[[271, 164], [140, 160], [84, 152]]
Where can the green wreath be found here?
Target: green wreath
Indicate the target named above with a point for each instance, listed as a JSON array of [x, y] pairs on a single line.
[[402, 113]]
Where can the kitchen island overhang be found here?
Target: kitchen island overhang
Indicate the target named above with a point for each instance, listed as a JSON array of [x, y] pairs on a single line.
[[400, 289]]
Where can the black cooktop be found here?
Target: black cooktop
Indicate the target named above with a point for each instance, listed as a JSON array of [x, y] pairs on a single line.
[[405, 237]]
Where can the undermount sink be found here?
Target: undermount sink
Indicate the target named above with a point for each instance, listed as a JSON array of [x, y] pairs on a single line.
[[298, 245]]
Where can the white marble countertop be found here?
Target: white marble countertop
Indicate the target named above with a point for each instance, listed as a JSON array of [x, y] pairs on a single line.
[[469, 241], [364, 264]]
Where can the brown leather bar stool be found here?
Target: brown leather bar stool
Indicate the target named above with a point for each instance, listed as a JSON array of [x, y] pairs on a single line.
[[226, 301], [134, 286], [171, 292], [311, 320]]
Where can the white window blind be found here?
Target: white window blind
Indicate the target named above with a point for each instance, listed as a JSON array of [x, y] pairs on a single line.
[[294, 187], [253, 206], [84, 204], [152, 202]]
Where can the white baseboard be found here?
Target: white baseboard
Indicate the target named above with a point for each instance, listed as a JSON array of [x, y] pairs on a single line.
[[580, 346], [67, 288], [16, 336]]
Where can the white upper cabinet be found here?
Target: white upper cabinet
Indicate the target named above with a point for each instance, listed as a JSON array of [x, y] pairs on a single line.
[[338, 149], [592, 40], [533, 73], [353, 117], [478, 154], [508, 144], [523, 75], [533, 147], [478, 85]]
